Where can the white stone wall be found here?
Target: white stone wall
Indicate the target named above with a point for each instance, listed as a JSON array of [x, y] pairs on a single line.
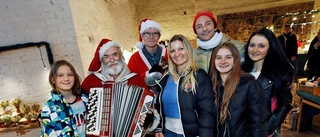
[[25, 21], [22, 72], [170, 15], [94, 20]]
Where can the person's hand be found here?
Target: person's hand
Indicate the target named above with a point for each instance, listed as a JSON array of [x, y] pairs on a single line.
[[142, 118], [293, 58], [39, 122], [159, 67], [163, 63], [146, 119], [159, 134]]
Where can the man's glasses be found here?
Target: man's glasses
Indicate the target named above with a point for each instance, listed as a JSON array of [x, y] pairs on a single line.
[[148, 34], [114, 56]]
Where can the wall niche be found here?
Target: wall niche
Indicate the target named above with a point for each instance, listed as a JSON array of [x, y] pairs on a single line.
[[241, 25]]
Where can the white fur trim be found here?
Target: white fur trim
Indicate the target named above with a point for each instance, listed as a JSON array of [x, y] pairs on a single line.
[[107, 46], [164, 50], [144, 59], [149, 24], [156, 120], [139, 45]]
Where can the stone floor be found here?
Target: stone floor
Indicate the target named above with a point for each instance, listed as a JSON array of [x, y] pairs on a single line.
[[314, 132], [286, 126]]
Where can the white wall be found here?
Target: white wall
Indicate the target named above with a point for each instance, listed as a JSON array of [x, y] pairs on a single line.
[[25, 21], [22, 72]]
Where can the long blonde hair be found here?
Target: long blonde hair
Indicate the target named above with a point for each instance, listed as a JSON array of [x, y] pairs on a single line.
[[190, 68], [231, 81]]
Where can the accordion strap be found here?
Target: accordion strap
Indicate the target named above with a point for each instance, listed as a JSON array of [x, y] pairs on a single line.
[[125, 78], [100, 76]]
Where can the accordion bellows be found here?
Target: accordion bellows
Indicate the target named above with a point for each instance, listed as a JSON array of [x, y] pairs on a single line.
[[115, 110]]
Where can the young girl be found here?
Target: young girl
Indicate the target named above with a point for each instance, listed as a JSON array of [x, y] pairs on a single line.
[[265, 60], [65, 113], [239, 97]]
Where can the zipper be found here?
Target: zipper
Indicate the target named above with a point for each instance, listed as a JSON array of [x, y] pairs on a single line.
[[177, 90]]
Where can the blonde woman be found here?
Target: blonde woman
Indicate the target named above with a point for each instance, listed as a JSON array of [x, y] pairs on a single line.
[[185, 95]]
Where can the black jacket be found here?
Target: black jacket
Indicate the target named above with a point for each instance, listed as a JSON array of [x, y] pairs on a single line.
[[289, 44], [284, 98], [313, 55], [196, 111], [247, 109]]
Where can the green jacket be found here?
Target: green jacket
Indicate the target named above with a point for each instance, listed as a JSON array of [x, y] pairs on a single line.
[[202, 57]]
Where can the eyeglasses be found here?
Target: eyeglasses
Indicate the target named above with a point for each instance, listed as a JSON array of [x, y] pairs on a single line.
[[148, 34], [114, 56]]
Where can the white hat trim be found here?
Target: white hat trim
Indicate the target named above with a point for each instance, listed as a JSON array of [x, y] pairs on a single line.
[[139, 45], [149, 24], [105, 47]]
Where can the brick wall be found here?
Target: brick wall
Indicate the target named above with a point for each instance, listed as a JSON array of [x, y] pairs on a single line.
[[94, 20], [22, 73]]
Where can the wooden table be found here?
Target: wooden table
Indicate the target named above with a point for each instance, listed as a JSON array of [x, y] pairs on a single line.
[[306, 99]]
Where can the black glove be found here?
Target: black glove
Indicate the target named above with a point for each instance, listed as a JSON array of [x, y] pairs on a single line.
[[148, 120], [155, 68]]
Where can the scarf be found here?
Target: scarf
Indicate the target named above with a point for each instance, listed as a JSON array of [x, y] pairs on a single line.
[[212, 43]]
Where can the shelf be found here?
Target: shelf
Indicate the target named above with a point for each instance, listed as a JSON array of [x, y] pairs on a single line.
[[20, 128]]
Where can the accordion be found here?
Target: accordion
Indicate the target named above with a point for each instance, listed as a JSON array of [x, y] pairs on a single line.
[[114, 111]]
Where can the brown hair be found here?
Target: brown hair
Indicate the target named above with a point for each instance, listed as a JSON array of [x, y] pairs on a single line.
[[76, 89], [231, 82]]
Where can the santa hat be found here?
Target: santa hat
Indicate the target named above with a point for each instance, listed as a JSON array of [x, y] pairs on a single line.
[[103, 46], [204, 13], [144, 25]]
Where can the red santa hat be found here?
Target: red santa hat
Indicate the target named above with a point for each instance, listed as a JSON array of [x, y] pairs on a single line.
[[103, 46], [204, 13], [144, 25]]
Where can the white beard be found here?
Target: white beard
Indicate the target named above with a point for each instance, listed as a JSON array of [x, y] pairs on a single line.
[[115, 69]]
